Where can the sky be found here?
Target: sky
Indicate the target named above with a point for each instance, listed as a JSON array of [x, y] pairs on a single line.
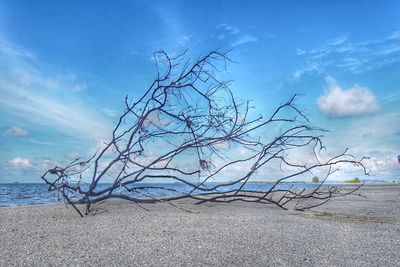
[[66, 67]]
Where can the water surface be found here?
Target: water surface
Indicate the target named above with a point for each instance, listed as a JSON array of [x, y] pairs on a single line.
[[16, 194]]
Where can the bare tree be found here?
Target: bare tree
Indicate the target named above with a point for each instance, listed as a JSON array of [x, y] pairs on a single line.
[[188, 128]]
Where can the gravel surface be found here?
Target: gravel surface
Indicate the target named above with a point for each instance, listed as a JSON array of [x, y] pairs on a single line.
[[349, 231]]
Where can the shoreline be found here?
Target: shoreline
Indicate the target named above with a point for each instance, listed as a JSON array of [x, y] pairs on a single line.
[[364, 185], [351, 231]]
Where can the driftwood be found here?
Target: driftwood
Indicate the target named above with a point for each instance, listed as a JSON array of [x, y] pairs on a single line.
[[188, 128]]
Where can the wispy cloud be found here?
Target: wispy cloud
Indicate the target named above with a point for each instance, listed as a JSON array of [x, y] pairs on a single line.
[[230, 34], [391, 97], [34, 95], [16, 131], [65, 116], [226, 29], [177, 35], [244, 40], [355, 101], [300, 51], [309, 68], [328, 47], [184, 40], [356, 57], [394, 35]]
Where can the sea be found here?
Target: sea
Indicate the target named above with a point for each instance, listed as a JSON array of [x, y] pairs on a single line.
[[17, 194]]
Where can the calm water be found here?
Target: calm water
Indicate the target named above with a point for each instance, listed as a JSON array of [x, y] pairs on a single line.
[[30, 194], [26, 194]]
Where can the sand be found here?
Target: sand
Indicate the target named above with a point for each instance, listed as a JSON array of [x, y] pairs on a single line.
[[349, 231]]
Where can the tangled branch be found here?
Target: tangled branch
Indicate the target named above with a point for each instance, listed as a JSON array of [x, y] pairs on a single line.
[[188, 128]]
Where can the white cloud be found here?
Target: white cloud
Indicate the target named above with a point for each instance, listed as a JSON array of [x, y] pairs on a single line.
[[355, 101], [19, 162], [244, 40], [16, 131]]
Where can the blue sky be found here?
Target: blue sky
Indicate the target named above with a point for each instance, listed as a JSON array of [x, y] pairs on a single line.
[[66, 66]]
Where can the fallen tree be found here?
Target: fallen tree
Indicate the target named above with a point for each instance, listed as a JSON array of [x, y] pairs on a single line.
[[188, 128]]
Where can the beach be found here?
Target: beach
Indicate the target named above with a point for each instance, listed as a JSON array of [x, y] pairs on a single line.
[[348, 231]]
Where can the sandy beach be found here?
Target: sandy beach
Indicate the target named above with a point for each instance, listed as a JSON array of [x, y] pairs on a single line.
[[349, 231]]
